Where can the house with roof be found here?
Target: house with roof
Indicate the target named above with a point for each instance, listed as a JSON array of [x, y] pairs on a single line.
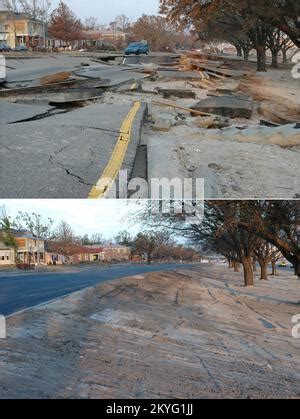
[[116, 253], [7, 254], [20, 29], [30, 250]]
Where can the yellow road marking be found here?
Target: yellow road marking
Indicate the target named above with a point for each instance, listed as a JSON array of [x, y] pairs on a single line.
[[111, 171]]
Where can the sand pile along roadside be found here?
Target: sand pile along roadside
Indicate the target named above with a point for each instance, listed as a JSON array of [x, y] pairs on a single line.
[[276, 93], [187, 334]]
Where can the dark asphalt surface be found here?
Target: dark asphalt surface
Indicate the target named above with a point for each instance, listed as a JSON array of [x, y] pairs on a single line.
[[23, 291]]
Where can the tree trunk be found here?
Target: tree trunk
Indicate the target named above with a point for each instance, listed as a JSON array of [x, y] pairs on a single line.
[[149, 259], [239, 51], [264, 270], [254, 265], [274, 270], [261, 58], [248, 272], [297, 269], [274, 60], [237, 266], [284, 57], [246, 54]]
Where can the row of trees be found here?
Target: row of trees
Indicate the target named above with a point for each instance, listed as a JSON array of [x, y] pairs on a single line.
[[245, 232], [63, 24], [156, 244], [258, 25], [160, 33], [153, 244], [37, 9]]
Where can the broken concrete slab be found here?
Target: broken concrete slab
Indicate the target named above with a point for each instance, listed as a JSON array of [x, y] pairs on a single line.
[[116, 75], [187, 75], [219, 70], [237, 170], [211, 122], [28, 72], [13, 112], [178, 165], [228, 106], [164, 122], [180, 93], [228, 87]]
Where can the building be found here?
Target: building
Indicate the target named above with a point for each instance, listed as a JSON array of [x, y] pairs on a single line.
[[90, 39], [30, 250], [7, 255], [99, 38], [86, 254], [20, 29], [52, 257], [116, 253]]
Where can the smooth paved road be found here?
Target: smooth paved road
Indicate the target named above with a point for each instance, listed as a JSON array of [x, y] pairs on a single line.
[[23, 291]]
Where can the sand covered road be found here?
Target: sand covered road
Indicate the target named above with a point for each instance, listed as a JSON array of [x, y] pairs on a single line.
[[194, 333]]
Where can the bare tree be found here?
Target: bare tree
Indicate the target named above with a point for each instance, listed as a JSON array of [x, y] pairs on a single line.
[[123, 23], [145, 243], [64, 24], [91, 23], [65, 242]]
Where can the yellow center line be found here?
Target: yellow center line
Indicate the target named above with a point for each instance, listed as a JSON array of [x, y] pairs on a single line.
[[111, 171]]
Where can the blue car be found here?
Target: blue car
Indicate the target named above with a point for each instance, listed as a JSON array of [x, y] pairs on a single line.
[[5, 48], [21, 48], [137, 48]]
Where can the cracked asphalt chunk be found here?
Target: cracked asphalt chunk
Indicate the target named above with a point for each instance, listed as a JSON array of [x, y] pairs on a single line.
[[15, 112], [65, 155]]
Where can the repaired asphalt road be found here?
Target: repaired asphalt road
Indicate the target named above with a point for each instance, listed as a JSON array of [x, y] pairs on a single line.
[[23, 291]]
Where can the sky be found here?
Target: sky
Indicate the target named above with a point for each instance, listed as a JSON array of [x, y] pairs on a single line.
[[107, 217], [106, 11]]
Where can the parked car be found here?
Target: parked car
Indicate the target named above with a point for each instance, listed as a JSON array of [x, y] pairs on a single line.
[[137, 48], [5, 48], [21, 48]]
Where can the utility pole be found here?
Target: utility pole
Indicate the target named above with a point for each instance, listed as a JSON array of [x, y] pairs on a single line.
[[44, 23]]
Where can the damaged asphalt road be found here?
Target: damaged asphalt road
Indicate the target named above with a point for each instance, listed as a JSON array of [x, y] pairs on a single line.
[[57, 139], [61, 119], [62, 156]]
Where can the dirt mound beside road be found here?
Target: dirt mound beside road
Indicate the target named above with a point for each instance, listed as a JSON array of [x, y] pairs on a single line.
[[193, 333], [275, 92]]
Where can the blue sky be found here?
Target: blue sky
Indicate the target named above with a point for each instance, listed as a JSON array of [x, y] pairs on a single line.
[[106, 11]]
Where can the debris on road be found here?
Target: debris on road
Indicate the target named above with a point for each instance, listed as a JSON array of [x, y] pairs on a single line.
[[228, 106], [55, 78], [180, 93], [203, 96]]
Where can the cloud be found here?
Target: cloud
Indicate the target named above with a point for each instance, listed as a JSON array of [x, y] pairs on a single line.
[[85, 216]]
